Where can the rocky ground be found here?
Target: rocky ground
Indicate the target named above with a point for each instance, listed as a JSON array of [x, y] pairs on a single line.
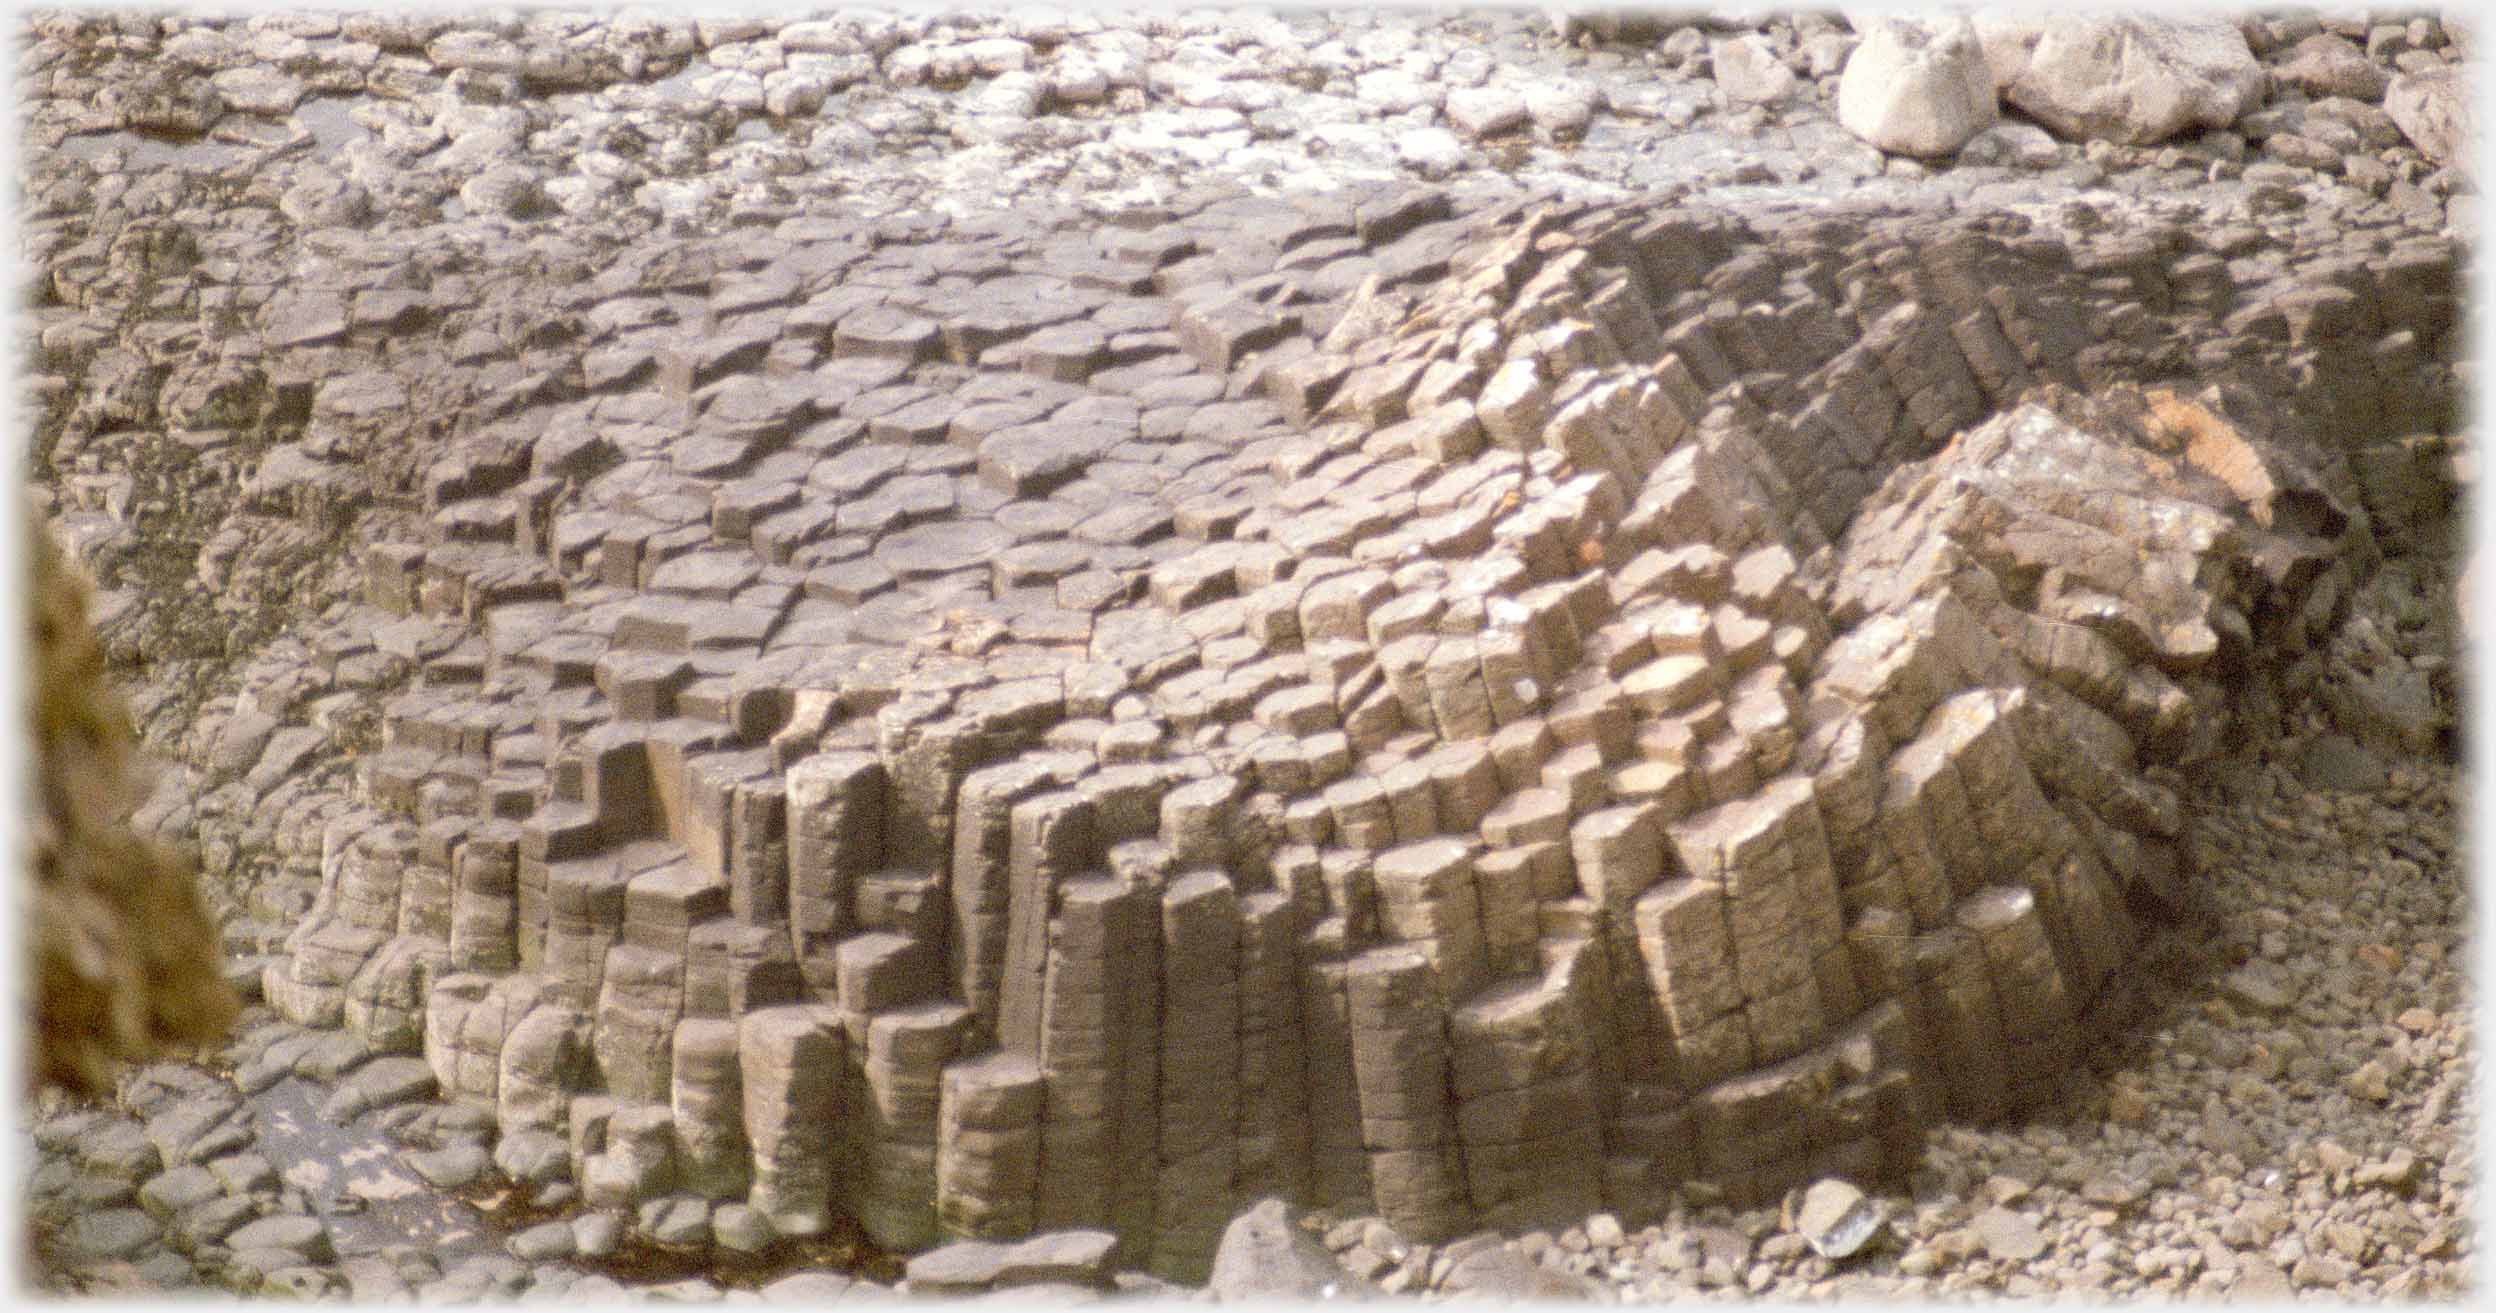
[[2287, 1112]]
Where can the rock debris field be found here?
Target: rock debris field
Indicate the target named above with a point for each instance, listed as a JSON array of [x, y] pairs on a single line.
[[1083, 655]]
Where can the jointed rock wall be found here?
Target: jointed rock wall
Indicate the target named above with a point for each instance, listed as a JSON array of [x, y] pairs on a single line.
[[1478, 717]]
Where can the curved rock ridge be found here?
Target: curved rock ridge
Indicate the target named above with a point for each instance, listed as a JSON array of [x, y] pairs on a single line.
[[1477, 718]]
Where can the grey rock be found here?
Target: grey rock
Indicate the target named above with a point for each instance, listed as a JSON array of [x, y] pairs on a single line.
[[808, 1288], [305, 1237], [957, 1268], [596, 1288], [2133, 79], [111, 1233], [1486, 111], [595, 1235], [2008, 1237], [256, 90], [543, 1242], [166, 1270], [121, 1148], [181, 1188], [742, 1229], [1080, 1257], [2328, 65], [371, 1278], [1836, 1218], [1265, 1255], [1917, 87], [691, 1290], [450, 1167], [381, 1083], [329, 1056], [246, 732], [1563, 108], [1431, 152], [244, 1173], [532, 1157], [2433, 110], [677, 1220], [1499, 1272], [211, 1222], [1749, 72], [87, 1192]]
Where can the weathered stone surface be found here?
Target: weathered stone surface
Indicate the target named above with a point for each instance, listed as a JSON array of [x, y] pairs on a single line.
[[1264, 1256], [2132, 79], [2433, 110], [1916, 87]]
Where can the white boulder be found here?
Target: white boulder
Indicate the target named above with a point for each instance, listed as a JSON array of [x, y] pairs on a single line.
[[1749, 72], [1917, 86], [2432, 109], [2124, 78]]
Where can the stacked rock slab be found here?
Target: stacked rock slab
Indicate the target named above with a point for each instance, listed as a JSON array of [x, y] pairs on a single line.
[[1526, 710]]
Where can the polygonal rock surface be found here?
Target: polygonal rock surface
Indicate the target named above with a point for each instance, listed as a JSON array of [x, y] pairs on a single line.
[[1475, 717]]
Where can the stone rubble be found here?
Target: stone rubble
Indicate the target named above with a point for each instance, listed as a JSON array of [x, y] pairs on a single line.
[[1564, 705]]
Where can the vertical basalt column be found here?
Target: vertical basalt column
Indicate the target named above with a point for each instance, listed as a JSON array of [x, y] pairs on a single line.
[[1511, 928], [484, 872], [1426, 898], [1687, 948], [1273, 1082], [1400, 1066], [981, 888], [532, 902], [370, 875], [425, 889], [988, 1147], [616, 782], [837, 802], [483, 1032], [1198, 820], [709, 1105], [1086, 1054], [1618, 854], [584, 919], [1759, 849], [1338, 1158], [758, 851], [446, 1012], [1963, 1015], [1526, 1111], [1923, 785], [2028, 984], [385, 999], [2096, 926], [907, 1050], [639, 1006], [544, 1059], [1199, 1071], [789, 1061], [1135, 1019], [732, 969], [922, 748], [1052, 839]]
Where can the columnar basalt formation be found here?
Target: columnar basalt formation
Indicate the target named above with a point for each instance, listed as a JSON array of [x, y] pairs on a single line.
[[1478, 718]]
